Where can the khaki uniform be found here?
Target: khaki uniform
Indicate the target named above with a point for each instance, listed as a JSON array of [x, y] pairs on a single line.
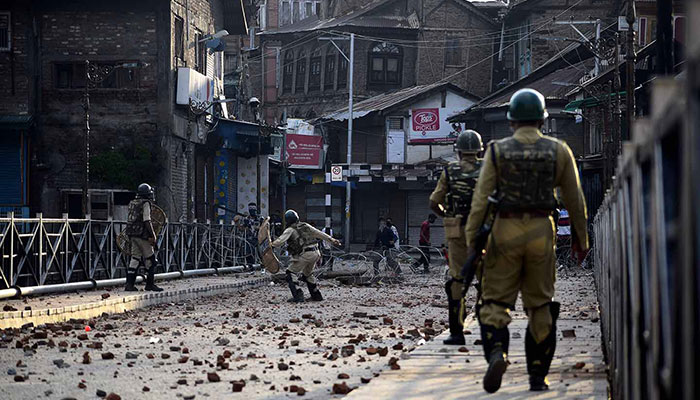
[[304, 262], [454, 229], [141, 248], [520, 254]]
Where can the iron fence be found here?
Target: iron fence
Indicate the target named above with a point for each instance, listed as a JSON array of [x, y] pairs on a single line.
[[42, 251], [646, 259]]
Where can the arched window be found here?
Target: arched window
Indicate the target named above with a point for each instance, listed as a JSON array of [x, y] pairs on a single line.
[[342, 70], [301, 72], [288, 72], [385, 61], [329, 72], [315, 70]]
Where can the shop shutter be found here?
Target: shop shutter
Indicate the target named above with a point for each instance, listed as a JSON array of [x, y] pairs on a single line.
[[418, 211], [10, 169]]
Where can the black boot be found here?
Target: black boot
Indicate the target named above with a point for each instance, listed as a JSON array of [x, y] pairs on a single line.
[[495, 342], [454, 311], [539, 355], [297, 294], [150, 278], [131, 281], [314, 292]]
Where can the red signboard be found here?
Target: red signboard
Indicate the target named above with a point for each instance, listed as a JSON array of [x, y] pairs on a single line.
[[304, 151], [426, 119]]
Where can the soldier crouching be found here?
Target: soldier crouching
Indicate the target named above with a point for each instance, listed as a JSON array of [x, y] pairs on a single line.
[[301, 239]]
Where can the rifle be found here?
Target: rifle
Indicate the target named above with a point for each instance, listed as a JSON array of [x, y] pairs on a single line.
[[469, 268]]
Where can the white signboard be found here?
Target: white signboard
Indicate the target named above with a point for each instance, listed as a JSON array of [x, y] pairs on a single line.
[[336, 173], [193, 85], [430, 126]]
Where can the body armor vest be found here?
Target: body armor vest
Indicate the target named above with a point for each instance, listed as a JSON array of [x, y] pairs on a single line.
[[134, 223], [303, 238], [460, 189], [526, 174]]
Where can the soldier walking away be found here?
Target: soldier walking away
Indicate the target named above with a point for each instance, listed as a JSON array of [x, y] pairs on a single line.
[[424, 243], [302, 246], [142, 238], [451, 200], [525, 168]]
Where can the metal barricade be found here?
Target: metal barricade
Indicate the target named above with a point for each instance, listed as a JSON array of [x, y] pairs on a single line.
[[42, 251], [645, 259]]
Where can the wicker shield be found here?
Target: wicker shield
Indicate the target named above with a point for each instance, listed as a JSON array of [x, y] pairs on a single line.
[[157, 220]]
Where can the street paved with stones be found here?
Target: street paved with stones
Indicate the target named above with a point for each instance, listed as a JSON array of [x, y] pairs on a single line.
[[254, 342]]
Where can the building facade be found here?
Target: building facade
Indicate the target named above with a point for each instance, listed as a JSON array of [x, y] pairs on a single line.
[[129, 58]]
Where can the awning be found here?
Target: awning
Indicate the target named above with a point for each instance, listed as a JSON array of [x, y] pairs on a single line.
[[589, 102], [15, 122], [245, 138]]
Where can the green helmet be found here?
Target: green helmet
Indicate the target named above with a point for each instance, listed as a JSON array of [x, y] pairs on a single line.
[[291, 217], [469, 141], [527, 105]]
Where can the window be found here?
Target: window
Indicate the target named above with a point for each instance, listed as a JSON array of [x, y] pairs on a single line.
[[642, 31], [200, 54], [301, 72], [179, 38], [329, 74], [309, 9], [295, 12], [73, 76], [315, 70], [69, 75], [5, 31], [342, 70], [285, 17], [679, 29], [287, 72], [385, 65], [453, 52]]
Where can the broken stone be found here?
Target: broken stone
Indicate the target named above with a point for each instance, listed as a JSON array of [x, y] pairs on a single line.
[[105, 296], [238, 385], [341, 388], [107, 356], [131, 356], [463, 350], [365, 380], [100, 393], [113, 396], [568, 333], [343, 376], [86, 358], [579, 365], [183, 359], [282, 366], [213, 377]]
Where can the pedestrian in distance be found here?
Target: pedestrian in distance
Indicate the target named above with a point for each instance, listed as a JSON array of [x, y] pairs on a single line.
[[301, 239], [142, 238], [525, 169], [397, 241], [451, 200], [424, 243]]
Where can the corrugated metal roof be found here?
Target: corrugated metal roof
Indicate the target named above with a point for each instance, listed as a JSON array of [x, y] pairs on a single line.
[[388, 100]]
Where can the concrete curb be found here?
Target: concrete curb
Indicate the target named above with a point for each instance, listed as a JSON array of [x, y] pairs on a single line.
[[15, 319]]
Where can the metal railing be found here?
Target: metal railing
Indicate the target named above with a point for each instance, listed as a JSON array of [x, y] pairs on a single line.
[[42, 251], [646, 255]]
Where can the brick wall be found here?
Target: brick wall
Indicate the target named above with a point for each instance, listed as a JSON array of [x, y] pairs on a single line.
[[473, 37], [120, 119], [539, 15], [15, 65]]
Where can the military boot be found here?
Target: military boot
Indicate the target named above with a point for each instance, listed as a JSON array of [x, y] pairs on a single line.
[[297, 294], [539, 355], [150, 278], [495, 342], [454, 311], [131, 281], [314, 292]]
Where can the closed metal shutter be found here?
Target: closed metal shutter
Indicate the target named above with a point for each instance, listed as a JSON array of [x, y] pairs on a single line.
[[10, 168], [418, 211]]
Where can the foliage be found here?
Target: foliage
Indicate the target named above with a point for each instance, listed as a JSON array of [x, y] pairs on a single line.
[[123, 168]]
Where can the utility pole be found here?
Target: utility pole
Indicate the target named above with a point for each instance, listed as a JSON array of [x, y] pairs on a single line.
[[351, 62], [630, 60], [348, 195]]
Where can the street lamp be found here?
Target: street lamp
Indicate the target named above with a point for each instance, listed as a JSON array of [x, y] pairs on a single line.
[[95, 74]]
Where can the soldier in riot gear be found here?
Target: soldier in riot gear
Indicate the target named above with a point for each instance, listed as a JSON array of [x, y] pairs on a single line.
[[301, 239], [451, 200], [525, 168], [142, 238]]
